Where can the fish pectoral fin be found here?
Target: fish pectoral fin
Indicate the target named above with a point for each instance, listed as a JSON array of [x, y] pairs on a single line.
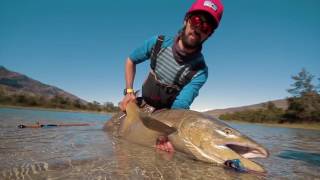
[[155, 124]]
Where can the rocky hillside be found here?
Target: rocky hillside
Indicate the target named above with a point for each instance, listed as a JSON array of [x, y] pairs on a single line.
[[281, 103], [15, 83]]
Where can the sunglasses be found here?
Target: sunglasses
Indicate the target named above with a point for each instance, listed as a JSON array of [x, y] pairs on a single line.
[[200, 23]]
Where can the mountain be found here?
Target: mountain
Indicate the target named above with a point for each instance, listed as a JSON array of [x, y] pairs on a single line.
[[280, 103], [16, 83]]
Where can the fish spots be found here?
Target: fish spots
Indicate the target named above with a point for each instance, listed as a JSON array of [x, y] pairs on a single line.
[[195, 132], [195, 135], [200, 134]]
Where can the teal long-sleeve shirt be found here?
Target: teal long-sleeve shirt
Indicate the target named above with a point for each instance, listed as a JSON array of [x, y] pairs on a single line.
[[190, 91]]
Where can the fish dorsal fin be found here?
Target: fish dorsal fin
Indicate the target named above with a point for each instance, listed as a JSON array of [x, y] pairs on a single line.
[[155, 124]]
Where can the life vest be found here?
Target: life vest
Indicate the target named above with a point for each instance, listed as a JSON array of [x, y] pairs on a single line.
[[167, 77]]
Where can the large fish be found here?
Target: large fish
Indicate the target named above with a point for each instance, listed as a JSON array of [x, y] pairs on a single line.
[[196, 134]]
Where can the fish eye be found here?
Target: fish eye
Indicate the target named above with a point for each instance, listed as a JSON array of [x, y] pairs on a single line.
[[227, 131]]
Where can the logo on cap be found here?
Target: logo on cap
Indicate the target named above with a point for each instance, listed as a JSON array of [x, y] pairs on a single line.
[[210, 4]]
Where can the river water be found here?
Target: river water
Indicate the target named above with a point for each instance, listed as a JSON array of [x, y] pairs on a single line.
[[87, 152]]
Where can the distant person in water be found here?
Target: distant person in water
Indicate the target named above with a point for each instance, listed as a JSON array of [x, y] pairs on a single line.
[[178, 69]]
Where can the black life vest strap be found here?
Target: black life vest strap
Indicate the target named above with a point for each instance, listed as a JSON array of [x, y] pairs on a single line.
[[194, 69], [155, 51]]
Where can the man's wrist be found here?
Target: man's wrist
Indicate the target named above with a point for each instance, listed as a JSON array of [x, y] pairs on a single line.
[[128, 91]]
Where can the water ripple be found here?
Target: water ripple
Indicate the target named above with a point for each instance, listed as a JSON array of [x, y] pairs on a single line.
[[89, 153]]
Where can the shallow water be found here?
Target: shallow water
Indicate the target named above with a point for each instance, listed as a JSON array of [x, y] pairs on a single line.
[[89, 153]]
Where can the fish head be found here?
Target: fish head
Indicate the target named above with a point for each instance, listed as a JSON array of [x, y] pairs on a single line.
[[214, 141]]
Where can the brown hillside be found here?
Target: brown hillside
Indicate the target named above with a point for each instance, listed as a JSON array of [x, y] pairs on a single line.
[[281, 103]]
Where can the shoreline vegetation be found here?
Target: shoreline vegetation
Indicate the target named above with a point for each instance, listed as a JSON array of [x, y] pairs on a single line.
[[303, 109], [309, 126], [19, 90], [55, 109], [57, 102], [303, 106]]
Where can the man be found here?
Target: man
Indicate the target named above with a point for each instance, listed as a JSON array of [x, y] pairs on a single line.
[[178, 69]]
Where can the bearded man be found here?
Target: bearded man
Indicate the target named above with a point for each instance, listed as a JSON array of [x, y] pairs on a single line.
[[178, 68]]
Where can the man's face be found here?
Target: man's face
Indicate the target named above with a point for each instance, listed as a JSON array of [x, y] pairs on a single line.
[[197, 30]]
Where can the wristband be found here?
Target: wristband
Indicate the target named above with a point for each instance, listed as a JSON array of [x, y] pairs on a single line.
[[127, 90]]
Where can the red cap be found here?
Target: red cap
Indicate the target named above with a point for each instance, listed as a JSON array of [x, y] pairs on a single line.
[[213, 7]]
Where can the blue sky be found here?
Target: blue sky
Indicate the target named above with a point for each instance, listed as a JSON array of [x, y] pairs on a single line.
[[80, 46]]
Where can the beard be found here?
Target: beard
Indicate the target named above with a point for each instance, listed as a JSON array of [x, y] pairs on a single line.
[[188, 42]]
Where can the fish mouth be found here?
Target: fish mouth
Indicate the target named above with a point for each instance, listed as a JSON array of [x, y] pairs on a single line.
[[248, 151]]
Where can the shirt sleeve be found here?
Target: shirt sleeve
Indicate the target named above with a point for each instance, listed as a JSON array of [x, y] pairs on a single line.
[[190, 91], [143, 52]]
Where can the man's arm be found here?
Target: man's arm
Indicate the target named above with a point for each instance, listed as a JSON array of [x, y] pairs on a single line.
[[190, 91], [139, 55], [143, 52], [130, 71]]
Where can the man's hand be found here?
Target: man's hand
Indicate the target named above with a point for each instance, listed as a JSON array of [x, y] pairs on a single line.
[[128, 98], [164, 144]]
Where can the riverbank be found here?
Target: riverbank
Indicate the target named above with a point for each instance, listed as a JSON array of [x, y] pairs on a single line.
[[56, 109], [311, 126]]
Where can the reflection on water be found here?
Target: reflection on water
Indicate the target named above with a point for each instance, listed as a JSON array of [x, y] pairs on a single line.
[[90, 153], [311, 158]]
